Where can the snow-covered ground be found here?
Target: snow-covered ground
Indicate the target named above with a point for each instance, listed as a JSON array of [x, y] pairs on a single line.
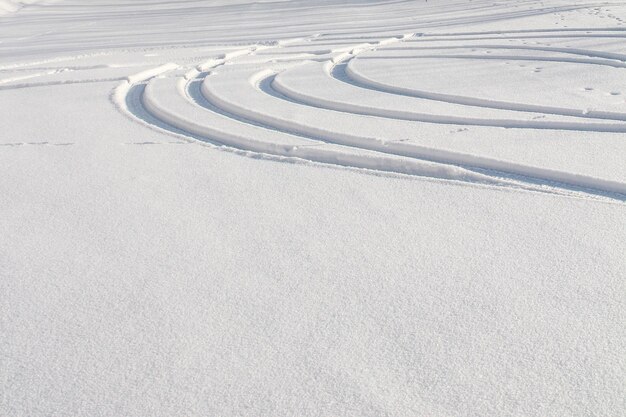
[[312, 207], [11, 6]]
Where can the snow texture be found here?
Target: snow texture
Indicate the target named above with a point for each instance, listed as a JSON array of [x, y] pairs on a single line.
[[312, 207]]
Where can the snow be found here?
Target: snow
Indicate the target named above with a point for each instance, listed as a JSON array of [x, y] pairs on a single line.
[[11, 6], [312, 208]]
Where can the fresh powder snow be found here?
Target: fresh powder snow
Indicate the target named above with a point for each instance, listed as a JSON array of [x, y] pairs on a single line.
[[312, 208]]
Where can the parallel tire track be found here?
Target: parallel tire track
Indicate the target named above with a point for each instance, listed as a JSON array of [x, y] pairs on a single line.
[[191, 106]]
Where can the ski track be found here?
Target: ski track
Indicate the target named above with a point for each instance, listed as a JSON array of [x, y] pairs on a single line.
[[247, 100]]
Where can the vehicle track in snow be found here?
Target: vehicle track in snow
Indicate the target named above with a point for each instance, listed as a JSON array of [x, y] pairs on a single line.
[[260, 100]]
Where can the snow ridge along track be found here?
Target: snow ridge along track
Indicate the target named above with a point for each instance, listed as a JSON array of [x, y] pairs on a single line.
[[315, 98]]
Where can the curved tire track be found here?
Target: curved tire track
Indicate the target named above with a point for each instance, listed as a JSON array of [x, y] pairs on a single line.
[[285, 123]]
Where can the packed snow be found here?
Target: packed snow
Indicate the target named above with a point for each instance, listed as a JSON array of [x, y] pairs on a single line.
[[9, 6], [312, 207]]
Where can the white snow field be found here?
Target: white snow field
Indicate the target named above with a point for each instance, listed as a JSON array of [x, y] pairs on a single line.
[[313, 208]]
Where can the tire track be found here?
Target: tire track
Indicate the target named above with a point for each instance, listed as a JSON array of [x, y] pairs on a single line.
[[336, 73], [359, 79], [190, 106]]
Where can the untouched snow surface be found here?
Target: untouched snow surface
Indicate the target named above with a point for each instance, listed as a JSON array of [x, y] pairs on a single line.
[[338, 208]]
